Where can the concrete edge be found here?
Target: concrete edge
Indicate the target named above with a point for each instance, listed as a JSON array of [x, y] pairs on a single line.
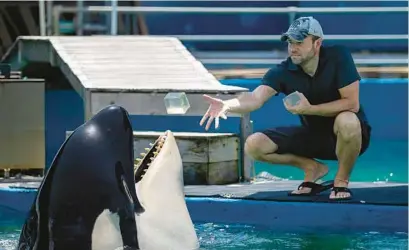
[[283, 216], [303, 216]]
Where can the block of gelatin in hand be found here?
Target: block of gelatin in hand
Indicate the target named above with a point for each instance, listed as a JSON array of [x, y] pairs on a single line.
[[292, 99], [176, 103]]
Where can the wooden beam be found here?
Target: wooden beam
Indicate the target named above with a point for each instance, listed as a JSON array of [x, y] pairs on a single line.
[[29, 20], [4, 34]]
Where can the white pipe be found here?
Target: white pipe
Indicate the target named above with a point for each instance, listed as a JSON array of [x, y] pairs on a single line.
[[114, 17], [277, 61], [144, 9], [277, 37], [49, 14], [80, 18], [42, 17]]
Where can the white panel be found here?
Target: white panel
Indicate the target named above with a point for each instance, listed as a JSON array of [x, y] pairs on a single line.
[[148, 103]]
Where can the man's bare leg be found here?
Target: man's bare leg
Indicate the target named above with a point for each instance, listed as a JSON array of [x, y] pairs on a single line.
[[347, 128], [261, 148]]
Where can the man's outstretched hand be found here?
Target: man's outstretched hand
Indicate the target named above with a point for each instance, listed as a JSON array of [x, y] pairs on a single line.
[[216, 109]]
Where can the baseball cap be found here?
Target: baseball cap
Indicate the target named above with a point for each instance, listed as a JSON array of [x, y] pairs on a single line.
[[301, 28]]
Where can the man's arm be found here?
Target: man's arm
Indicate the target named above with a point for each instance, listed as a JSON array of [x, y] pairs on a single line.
[[250, 101], [349, 102]]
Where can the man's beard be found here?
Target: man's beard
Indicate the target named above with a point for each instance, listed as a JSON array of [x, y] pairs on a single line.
[[302, 61]]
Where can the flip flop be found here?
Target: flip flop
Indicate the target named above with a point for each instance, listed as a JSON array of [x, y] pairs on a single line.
[[315, 188], [342, 190]]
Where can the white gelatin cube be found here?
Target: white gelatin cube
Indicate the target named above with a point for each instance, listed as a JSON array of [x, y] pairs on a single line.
[[176, 103], [292, 99]]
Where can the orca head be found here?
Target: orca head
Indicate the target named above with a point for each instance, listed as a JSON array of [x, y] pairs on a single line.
[[91, 198], [87, 198], [165, 222]]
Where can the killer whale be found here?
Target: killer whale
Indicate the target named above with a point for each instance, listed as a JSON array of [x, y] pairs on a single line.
[[88, 197], [92, 173]]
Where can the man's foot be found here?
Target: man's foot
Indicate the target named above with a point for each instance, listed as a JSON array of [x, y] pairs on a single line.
[[313, 172], [314, 188], [340, 190]]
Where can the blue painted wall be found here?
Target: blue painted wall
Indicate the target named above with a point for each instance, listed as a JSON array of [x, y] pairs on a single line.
[[63, 112], [290, 216], [385, 101]]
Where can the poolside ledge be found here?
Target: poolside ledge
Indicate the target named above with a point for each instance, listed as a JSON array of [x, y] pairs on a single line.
[[376, 207]]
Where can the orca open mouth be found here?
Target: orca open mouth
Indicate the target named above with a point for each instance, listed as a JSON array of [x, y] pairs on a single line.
[[142, 164]]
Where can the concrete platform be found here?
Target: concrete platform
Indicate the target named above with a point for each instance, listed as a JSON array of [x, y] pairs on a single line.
[[394, 194], [376, 207]]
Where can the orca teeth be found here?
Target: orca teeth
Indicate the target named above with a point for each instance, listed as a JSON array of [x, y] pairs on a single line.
[[150, 155]]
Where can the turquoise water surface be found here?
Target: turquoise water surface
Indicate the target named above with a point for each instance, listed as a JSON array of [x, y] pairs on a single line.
[[245, 237]]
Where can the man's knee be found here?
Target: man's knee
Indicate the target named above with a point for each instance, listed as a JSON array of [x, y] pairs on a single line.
[[347, 126], [259, 144]]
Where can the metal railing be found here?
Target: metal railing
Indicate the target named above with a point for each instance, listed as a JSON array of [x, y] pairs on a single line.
[[266, 61], [226, 10], [291, 11], [255, 38]]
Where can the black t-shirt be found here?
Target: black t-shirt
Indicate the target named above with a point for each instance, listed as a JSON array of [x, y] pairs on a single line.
[[336, 69]]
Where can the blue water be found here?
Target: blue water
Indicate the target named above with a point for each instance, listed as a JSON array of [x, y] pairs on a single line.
[[244, 237], [241, 237]]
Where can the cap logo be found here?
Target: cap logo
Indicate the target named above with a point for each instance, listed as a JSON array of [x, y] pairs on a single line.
[[301, 23]]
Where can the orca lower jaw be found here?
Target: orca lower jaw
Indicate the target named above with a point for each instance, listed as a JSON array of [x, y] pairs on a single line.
[[141, 165]]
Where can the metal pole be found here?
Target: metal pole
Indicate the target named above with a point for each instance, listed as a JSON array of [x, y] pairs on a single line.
[[56, 20], [247, 164], [41, 7], [114, 17], [49, 13], [80, 17]]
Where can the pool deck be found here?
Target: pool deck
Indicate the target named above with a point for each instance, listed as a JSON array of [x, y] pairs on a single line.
[[392, 194], [375, 207]]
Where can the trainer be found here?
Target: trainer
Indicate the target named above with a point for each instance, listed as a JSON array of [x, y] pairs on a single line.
[[333, 122]]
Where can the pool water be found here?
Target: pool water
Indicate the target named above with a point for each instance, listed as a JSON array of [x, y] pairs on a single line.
[[244, 237], [240, 237], [385, 160]]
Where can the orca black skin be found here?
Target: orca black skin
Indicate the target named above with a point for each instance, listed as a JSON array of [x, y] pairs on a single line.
[[92, 172]]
